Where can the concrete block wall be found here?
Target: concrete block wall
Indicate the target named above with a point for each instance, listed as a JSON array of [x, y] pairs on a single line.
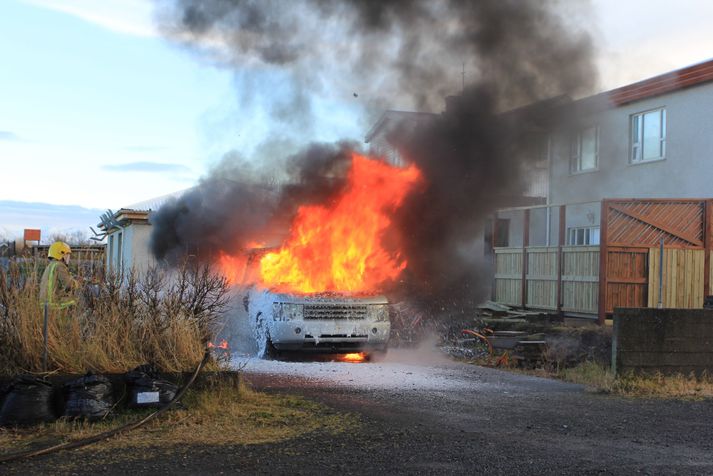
[[663, 340]]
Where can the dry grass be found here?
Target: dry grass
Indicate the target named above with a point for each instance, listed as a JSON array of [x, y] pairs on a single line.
[[119, 323], [222, 416], [599, 378], [594, 376]]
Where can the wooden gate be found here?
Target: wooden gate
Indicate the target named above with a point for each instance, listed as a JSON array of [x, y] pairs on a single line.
[[627, 277], [631, 230]]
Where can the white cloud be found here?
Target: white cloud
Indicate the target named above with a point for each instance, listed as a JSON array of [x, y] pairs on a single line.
[[16, 216], [641, 39], [131, 17]]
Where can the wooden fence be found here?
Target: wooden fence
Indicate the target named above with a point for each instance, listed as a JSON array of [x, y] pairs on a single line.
[[621, 272], [634, 278], [577, 279], [683, 278], [632, 232], [508, 276], [541, 277], [88, 259], [580, 279]]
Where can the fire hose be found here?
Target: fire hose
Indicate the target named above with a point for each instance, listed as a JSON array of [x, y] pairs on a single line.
[[109, 433]]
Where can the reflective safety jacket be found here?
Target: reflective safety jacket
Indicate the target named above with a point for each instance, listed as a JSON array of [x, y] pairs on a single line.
[[56, 286]]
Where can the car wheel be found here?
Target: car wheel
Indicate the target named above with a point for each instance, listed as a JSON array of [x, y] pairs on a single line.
[[271, 351]]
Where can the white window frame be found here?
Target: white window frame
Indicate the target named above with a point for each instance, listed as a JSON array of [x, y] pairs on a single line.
[[582, 236], [575, 152], [636, 136]]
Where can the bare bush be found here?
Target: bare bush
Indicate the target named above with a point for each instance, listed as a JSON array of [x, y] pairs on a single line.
[[160, 317], [74, 237]]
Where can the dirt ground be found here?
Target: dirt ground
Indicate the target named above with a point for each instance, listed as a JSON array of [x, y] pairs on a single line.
[[421, 416]]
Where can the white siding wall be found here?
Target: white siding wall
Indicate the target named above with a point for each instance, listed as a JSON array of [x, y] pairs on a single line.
[[141, 257], [686, 172], [129, 249]]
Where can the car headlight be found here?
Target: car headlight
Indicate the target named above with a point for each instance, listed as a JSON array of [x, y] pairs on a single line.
[[287, 312], [379, 312]]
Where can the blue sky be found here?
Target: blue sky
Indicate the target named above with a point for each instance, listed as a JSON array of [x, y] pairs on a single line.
[[79, 98], [98, 110]]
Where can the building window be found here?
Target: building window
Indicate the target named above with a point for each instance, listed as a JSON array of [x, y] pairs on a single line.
[[585, 150], [582, 236], [648, 135], [538, 171]]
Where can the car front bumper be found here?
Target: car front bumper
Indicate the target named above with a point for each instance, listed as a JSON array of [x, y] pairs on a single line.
[[327, 336]]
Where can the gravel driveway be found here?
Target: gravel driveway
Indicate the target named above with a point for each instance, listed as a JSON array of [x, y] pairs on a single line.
[[420, 414]]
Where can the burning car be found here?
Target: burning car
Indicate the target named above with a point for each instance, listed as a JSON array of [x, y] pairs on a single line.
[[321, 288], [325, 323]]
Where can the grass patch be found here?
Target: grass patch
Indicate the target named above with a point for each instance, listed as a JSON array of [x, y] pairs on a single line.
[[594, 376], [599, 378], [220, 416]]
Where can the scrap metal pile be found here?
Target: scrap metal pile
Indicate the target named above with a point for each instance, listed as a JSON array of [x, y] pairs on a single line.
[[499, 336]]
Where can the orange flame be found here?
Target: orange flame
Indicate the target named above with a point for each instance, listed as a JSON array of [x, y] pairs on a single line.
[[237, 269], [355, 357], [338, 247], [233, 267], [223, 344]]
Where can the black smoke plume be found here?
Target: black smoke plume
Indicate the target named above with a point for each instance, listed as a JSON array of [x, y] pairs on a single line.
[[240, 203], [523, 60]]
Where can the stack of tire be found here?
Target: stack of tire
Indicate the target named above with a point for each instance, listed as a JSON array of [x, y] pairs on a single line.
[[30, 400], [89, 398], [147, 390]]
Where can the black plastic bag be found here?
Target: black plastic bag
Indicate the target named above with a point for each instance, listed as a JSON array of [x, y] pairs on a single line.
[[146, 390], [30, 400], [89, 397]]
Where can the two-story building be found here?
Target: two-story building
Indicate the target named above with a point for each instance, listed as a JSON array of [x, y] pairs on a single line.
[[634, 176]]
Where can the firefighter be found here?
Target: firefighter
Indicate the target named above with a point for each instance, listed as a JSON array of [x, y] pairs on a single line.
[[57, 284]]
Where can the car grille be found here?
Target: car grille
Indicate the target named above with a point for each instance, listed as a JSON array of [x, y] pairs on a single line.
[[334, 311]]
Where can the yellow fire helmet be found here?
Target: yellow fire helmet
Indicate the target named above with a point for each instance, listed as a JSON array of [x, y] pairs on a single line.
[[58, 250]]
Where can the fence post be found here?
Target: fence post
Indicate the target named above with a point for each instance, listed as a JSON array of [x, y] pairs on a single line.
[[525, 244], [603, 220], [560, 256], [707, 232], [493, 236], [661, 275]]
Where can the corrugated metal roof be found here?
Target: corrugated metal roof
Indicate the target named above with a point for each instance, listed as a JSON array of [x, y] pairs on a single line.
[[156, 202], [665, 83]]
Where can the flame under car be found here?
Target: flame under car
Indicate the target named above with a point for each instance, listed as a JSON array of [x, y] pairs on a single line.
[[323, 323]]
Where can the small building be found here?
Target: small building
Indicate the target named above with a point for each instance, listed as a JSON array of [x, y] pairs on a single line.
[[127, 242], [128, 232]]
